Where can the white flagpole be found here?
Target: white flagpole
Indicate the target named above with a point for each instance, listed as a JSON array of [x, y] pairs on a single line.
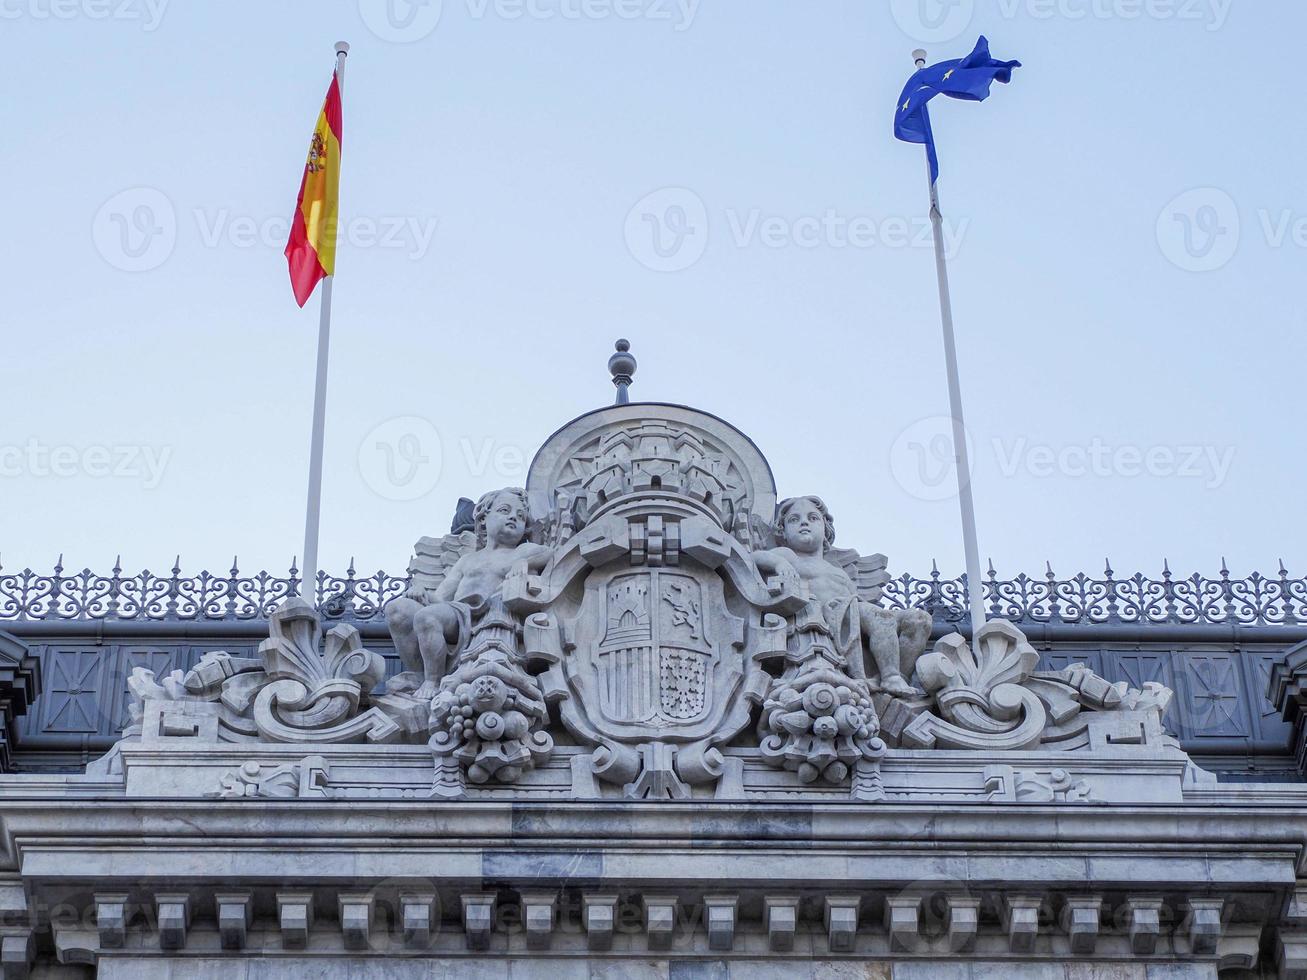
[[975, 585], [313, 511]]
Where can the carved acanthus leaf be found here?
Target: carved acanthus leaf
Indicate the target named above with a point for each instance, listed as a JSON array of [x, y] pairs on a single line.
[[291, 651]]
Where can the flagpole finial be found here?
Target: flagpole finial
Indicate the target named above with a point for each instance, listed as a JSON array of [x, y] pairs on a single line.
[[919, 57], [342, 47], [622, 367]]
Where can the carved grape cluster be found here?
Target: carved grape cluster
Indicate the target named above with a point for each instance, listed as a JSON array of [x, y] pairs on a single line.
[[482, 709]]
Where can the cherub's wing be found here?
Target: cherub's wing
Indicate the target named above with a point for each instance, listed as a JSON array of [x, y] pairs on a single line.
[[762, 532], [434, 557], [869, 573]]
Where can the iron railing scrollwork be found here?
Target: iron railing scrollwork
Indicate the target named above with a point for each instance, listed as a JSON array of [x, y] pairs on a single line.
[[1252, 600]]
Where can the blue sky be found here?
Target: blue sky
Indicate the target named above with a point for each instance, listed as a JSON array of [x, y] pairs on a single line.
[[526, 180]]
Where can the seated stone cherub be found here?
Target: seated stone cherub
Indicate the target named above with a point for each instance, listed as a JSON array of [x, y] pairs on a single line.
[[431, 627], [894, 637]]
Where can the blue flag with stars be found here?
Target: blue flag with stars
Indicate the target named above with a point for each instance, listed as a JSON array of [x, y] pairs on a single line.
[[964, 78]]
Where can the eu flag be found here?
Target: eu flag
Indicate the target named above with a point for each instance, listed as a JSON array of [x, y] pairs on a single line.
[[966, 78]]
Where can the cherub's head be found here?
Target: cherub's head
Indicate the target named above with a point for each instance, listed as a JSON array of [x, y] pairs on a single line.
[[805, 525], [502, 518]]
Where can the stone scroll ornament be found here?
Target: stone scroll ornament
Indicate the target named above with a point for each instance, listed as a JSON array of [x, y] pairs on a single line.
[[313, 696], [987, 696], [302, 688]]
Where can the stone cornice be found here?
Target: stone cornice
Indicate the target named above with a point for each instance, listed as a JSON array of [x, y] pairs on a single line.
[[851, 827], [684, 861]]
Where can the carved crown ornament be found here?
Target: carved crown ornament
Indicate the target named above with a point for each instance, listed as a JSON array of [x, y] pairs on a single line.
[[646, 620]]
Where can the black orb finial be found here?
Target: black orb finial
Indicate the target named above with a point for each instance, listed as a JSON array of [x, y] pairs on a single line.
[[622, 367]]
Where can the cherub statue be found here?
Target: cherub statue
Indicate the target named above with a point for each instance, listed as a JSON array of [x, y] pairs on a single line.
[[432, 622], [894, 637]]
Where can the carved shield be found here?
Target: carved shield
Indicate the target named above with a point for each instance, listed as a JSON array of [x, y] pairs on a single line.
[[650, 654]]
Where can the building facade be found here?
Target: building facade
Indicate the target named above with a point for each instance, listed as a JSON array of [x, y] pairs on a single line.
[[644, 718]]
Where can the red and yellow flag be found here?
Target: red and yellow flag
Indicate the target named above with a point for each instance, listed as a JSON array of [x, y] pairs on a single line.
[[311, 251]]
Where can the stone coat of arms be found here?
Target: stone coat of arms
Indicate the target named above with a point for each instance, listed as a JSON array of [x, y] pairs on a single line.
[[646, 620]]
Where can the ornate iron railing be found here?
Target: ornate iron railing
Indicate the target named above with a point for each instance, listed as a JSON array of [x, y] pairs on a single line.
[[1253, 600]]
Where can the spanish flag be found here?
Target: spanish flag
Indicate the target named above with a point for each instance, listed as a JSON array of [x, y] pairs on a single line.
[[311, 251]]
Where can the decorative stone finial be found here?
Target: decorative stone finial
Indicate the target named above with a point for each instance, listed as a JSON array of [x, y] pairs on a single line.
[[622, 367]]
